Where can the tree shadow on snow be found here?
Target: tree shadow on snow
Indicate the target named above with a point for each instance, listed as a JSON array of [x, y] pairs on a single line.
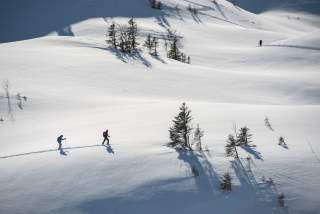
[[156, 197], [259, 194], [162, 21], [252, 151], [208, 179], [163, 196], [159, 59], [220, 10], [128, 57], [175, 195]]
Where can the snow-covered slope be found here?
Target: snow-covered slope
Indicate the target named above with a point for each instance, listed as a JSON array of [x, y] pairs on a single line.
[[78, 86]]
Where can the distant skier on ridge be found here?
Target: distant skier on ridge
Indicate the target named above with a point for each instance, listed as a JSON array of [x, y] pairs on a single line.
[[105, 137], [260, 43], [59, 140]]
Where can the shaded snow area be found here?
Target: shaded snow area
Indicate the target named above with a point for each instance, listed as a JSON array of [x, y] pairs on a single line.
[[58, 76]]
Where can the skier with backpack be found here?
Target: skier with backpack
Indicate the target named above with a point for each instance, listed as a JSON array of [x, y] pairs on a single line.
[[59, 140], [260, 43], [105, 137]]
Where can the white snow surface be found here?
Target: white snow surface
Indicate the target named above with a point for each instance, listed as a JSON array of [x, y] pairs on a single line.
[[78, 87]]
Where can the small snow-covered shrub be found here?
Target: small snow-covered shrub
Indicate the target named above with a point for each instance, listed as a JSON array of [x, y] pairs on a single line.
[[194, 171], [226, 182], [281, 200]]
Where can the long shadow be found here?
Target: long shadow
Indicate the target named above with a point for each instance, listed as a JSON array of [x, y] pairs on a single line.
[[295, 46], [156, 197], [127, 57], [195, 16], [208, 179], [220, 19], [285, 146], [62, 152], [257, 193], [48, 150], [137, 56], [202, 7], [219, 9], [244, 175], [163, 21], [251, 150], [109, 149], [9, 107], [159, 59]]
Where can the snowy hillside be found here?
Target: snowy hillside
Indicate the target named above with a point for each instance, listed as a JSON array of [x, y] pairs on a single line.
[[55, 54]]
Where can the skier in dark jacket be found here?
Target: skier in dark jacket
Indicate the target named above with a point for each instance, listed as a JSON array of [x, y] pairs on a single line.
[[260, 43], [105, 137], [60, 139]]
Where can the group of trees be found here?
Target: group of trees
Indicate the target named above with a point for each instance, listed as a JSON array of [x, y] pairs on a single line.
[[241, 139], [152, 45], [123, 37], [179, 134], [20, 100], [174, 52]]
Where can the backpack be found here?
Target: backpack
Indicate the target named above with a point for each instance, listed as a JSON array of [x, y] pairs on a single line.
[[59, 139]]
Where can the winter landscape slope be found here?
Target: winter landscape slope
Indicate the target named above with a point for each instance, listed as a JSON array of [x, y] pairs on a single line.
[[54, 52]]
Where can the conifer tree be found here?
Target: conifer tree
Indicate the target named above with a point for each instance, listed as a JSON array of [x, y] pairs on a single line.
[[112, 39], [281, 199], [148, 43], [174, 45], [132, 35], [174, 52], [267, 123], [244, 137], [231, 147], [124, 42], [194, 171], [198, 134], [181, 128], [188, 60], [281, 141], [154, 46], [226, 182]]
